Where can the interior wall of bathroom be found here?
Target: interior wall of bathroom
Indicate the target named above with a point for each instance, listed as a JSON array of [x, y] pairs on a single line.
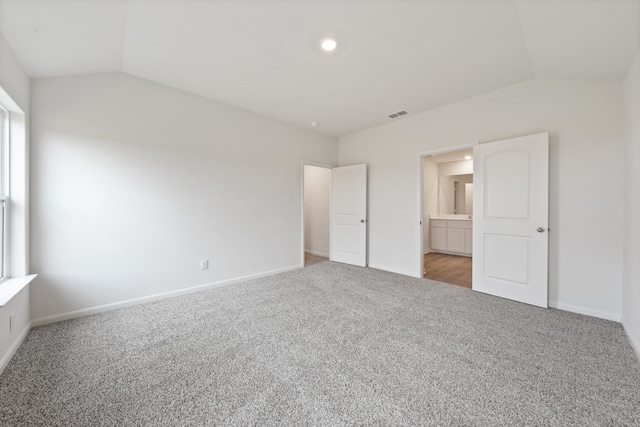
[[430, 198], [468, 197], [463, 194], [448, 173], [446, 194], [461, 167]]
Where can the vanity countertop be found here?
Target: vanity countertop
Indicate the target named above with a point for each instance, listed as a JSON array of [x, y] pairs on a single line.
[[450, 217]]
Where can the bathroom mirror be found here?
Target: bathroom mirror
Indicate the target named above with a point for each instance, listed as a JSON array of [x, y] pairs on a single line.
[[455, 194]]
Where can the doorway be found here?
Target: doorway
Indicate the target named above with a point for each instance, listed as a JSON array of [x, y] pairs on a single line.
[[334, 212], [316, 213], [447, 216], [509, 224]]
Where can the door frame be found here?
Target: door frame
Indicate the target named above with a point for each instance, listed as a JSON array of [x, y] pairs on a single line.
[[421, 156], [302, 222]]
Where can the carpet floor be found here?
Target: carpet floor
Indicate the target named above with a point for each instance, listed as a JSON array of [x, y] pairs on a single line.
[[329, 344]]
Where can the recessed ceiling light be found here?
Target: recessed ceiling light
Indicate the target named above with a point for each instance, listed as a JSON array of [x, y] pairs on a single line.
[[467, 157], [315, 124], [328, 44]]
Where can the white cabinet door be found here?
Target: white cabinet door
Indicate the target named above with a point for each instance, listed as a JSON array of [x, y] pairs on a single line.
[[348, 241], [510, 218], [438, 238], [455, 239], [468, 241]]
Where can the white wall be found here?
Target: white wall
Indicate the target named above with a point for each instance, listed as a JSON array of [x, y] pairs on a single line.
[[448, 173], [586, 157], [134, 183], [631, 271], [430, 198], [446, 194], [13, 79], [14, 95], [462, 195], [317, 199], [460, 167], [468, 198]]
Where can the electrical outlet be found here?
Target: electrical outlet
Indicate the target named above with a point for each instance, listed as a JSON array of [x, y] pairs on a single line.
[[204, 264], [12, 322]]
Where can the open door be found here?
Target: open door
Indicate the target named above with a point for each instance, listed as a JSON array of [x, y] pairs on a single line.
[[348, 241], [510, 218]]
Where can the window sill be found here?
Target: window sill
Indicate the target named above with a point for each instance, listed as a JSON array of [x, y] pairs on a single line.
[[11, 287]]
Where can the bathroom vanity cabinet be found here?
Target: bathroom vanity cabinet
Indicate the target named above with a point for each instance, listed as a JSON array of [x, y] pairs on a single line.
[[453, 236]]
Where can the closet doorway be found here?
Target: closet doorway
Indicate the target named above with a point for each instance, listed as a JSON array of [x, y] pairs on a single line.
[[316, 205], [447, 216]]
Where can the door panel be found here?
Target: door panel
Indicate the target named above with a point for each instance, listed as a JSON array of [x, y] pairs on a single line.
[[455, 239], [348, 215], [506, 258], [468, 241], [507, 184], [510, 221], [439, 238]]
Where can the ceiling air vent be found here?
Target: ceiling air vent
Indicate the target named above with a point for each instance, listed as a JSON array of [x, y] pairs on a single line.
[[397, 114]]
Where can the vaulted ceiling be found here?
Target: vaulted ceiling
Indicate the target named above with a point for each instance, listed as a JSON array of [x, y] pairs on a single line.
[[264, 55]]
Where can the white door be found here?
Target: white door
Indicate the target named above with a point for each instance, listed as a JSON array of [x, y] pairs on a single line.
[[510, 218], [348, 242]]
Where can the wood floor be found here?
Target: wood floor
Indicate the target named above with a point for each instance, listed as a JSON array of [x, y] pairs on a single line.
[[452, 269], [310, 259]]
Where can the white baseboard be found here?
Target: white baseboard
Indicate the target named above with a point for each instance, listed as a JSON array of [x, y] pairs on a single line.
[[395, 270], [634, 344], [322, 254], [452, 253], [136, 301], [586, 311], [14, 347]]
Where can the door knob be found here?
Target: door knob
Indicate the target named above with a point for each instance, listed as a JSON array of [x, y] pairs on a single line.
[[363, 221], [540, 229]]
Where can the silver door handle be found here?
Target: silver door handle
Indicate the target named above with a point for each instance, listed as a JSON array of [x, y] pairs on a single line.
[[541, 229]]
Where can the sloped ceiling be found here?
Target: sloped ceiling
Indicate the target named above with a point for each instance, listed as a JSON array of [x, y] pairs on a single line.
[[264, 56]]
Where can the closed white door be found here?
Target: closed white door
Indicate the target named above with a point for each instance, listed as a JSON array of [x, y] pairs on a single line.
[[510, 218], [348, 243]]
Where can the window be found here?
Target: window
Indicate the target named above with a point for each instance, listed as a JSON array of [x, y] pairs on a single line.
[[4, 143]]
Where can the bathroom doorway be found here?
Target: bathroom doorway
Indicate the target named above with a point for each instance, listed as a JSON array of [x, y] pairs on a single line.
[[447, 216]]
